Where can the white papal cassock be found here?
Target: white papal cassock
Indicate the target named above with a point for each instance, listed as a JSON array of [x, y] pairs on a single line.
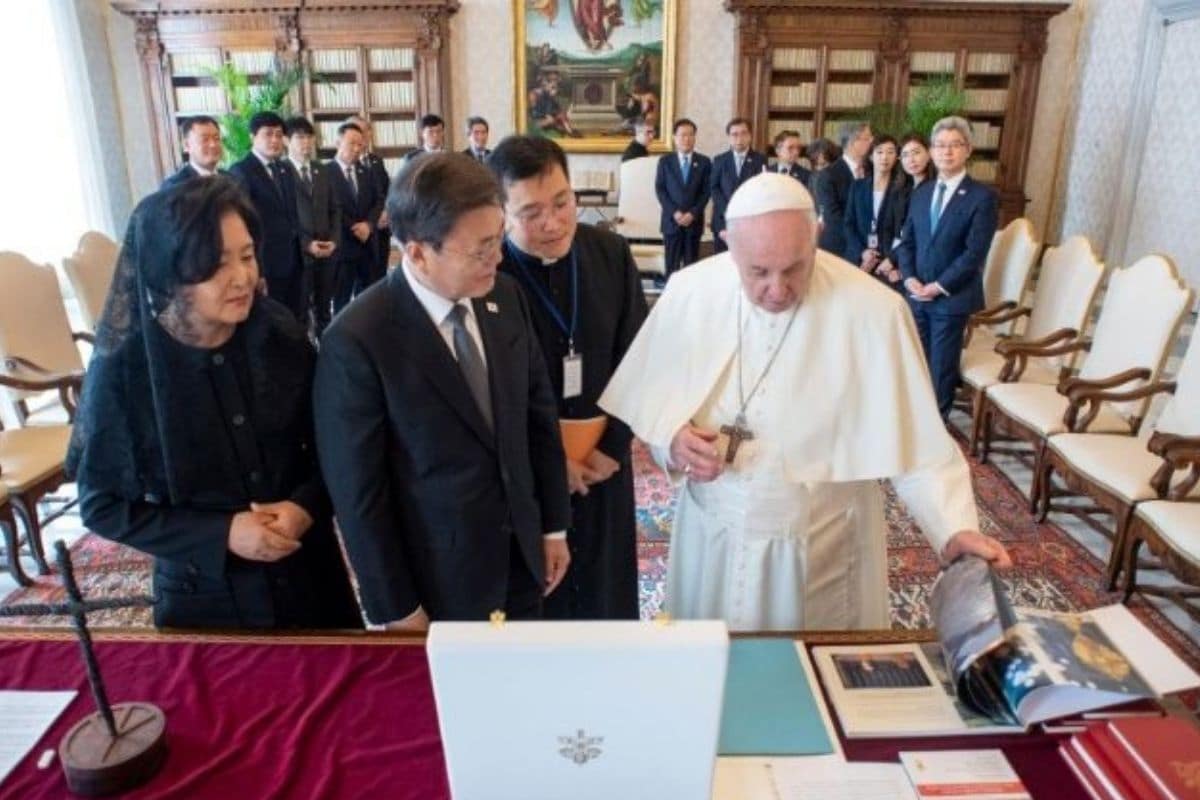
[[791, 535]]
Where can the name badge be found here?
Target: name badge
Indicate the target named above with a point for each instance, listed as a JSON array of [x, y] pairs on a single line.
[[572, 376]]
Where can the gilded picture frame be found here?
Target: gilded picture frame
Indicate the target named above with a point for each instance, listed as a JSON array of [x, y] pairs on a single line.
[[585, 69]]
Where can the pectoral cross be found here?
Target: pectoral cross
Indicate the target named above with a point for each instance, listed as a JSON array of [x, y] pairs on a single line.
[[737, 433]]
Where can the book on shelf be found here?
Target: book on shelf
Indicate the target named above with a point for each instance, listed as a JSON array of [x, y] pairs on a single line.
[[391, 94], [989, 63], [389, 59], [794, 58], [342, 60], [986, 100], [194, 63], [253, 61], [996, 669], [199, 99], [852, 60], [335, 95], [927, 61], [1132, 759]]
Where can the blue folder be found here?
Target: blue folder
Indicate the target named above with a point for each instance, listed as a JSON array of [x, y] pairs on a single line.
[[769, 706]]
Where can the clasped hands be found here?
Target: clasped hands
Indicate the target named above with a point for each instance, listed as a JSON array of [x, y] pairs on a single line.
[[921, 291], [596, 468], [268, 531]]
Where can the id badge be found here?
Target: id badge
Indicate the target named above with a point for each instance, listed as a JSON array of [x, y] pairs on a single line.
[[572, 376], [873, 242]]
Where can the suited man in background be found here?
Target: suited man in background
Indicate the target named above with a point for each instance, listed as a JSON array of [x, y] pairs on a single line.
[[788, 148], [942, 250], [682, 186], [377, 173], [730, 170], [359, 206], [436, 423], [273, 193], [833, 185], [319, 224], [477, 139], [433, 135], [643, 134], [202, 143]]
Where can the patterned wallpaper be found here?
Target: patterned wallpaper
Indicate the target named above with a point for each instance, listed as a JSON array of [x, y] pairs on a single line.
[[1108, 59], [1165, 215]]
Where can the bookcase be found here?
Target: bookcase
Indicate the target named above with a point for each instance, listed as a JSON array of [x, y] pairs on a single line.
[[385, 59], [809, 65]]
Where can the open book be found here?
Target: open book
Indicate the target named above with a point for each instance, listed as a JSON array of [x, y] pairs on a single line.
[[996, 669], [1025, 666]]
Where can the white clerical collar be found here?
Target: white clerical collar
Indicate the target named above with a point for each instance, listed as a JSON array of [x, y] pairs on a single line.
[[436, 306]]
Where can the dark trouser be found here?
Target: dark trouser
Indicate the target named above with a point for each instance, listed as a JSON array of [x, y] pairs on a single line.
[[354, 274], [682, 248], [523, 598], [324, 281], [718, 243], [942, 339], [383, 245]]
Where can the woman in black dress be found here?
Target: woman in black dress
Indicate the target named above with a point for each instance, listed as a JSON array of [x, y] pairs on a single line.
[[871, 224], [193, 441]]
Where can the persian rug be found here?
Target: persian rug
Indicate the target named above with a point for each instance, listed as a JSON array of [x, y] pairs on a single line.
[[1053, 571]]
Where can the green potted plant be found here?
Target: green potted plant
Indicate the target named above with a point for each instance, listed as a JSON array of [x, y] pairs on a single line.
[[248, 97], [934, 98]]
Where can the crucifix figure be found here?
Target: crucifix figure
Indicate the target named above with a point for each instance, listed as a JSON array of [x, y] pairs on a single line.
[[117, 747], [738, 432]]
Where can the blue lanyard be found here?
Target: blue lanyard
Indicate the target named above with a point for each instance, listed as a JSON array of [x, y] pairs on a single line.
[[546, 300]]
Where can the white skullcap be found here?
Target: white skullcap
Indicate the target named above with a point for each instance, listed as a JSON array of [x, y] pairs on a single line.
[[767, 192]]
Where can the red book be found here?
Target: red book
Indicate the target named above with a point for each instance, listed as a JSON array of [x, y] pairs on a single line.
[[1083, 774], [1109, 776], [1166, 750], [1098, 739]]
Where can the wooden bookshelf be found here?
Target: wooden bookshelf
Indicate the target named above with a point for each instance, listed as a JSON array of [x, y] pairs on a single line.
[[810, 64], [384, 59]]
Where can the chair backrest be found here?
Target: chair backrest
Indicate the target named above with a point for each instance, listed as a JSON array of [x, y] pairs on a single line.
[[637, 203], [1138, 323], [90, 270], [1181, 414], [1009, 263], [33, 319], [1066, 289]]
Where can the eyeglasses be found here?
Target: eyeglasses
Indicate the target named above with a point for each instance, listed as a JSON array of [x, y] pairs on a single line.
[[484, 256], [949, 146]]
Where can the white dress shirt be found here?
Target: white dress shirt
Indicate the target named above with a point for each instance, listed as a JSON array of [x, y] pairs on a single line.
[[952, 185]]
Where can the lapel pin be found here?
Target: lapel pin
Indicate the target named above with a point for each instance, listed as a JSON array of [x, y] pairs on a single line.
[[962, 191], [492, 307]]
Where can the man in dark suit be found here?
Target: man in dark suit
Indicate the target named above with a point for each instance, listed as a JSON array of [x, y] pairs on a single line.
[[477, 138], [833, 185], [681, 184], [433, 134], [435, 418], [942, 250], [730, 170], [377, 173], [273, 193], [643, 134], [788, 147], [319, 224], [359, 205], [202, 143]]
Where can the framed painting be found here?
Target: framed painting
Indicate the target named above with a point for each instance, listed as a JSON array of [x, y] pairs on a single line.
[[586, 69]]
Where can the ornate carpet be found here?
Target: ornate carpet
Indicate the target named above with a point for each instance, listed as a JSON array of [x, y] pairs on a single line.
[[1053, 571]]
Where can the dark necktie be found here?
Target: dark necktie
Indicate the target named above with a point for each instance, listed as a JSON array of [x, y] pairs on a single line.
[[471, 363], [352, 179], [306, 175]]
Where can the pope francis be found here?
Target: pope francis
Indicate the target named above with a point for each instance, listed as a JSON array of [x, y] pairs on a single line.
[[780, 384]]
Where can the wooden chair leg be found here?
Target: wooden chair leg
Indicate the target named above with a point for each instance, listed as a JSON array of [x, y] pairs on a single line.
[[985, 431], [1044, 483], [27, 511], [1039, 462], [976, 416], [1132, 545], [1116, 556], [13, 547]]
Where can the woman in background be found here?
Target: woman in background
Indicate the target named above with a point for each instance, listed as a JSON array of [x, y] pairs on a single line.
[[871, 225], [193, 441]]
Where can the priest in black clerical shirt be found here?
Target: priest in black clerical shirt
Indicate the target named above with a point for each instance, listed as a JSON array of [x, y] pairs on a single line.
[[586, 300]]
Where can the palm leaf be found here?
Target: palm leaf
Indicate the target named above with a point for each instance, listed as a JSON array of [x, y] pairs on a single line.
[[272, 93]]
